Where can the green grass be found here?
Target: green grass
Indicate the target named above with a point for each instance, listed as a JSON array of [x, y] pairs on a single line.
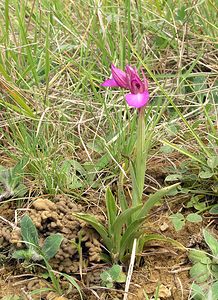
[[55, 55], [76, 135]]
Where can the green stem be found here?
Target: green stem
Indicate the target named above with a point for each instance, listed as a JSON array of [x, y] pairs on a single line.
[[140, 155], [140, 159]]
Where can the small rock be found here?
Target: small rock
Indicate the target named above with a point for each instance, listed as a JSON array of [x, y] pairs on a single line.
[[164, 292], [164, 227]]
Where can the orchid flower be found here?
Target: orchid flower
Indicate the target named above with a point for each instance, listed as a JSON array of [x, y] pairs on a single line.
[[130, 80]]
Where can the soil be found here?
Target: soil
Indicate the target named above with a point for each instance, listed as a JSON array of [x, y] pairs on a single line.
[[161, 263]]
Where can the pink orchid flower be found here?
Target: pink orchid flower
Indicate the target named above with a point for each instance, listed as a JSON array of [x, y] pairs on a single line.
[[130, 80]]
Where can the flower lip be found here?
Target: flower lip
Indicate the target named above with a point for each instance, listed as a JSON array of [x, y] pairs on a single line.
[[137, 100]]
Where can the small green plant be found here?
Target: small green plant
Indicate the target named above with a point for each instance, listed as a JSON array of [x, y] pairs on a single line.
[[36, 252], [11, 181], [179, 219], [205, 270], [112, 276], [125, 225]]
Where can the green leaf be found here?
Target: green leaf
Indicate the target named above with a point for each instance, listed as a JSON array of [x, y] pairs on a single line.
[[166, 149], [102, 162], [194, 218], [73, 282], [121, 278], [211, 241], [115, 271], [97, 226], [181, 13], [17, 97], [23, 254], [20, 190], [200, 205], [195, 202], [51, 245], [135, 187], [117, 274], [197, 292], [122, 219], [121, 195], [205, 174], [214, 210], [214, 268], [114, 274], [157, 237], [173, 177], [212, 162], [214, 289], [29, 232], [178, 221], [200, 272], [154, 199], [198, 256], [111, 208], [130, 234], [106, 277]]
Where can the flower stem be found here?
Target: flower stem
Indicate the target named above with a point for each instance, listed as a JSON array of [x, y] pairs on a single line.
[[140, 153], [140, 159]]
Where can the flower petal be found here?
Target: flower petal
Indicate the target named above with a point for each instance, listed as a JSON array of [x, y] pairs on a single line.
[[109, 82], [137, 100], [120, 77], [136, 86]]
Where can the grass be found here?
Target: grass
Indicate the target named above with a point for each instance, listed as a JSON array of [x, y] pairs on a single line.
[[73, 134]]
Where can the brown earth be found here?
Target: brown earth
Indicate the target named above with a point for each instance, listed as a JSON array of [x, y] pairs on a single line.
[[161, 263]]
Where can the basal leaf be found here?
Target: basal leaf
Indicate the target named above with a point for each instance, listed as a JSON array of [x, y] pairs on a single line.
[[197, 292], [118, 224], [200, 272], [214, 210], [25, 254], [97, 226], [196, 256], [111, 208], [157, 237], [135, 187], [123, 217], [194, 218], [74, 283], [133, 231], [211, 241], [154, 199], [212, 162], [205, 174], [173, 177], [51, 245], [29, 232]]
